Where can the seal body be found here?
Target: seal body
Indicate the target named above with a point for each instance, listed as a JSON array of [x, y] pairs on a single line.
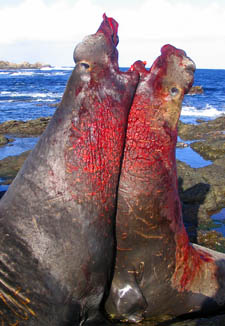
[[56, 234], [157, 270]]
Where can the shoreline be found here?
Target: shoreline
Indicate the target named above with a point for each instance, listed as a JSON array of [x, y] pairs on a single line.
[[6, 65]]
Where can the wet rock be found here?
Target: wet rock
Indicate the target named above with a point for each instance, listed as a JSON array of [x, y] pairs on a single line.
[[200, 120], [4, 140], [211, 239], [10, 166], [220, 162], [196, 90], [204, 130], [51, 105], [217, 320], [54, 105], [25, 128], [181, 145], [212, 148]]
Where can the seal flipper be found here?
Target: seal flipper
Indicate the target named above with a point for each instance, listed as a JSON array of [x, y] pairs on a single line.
[[96, 319], [126, 302]]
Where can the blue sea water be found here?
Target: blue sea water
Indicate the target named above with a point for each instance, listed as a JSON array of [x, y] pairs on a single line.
[[29, 94]]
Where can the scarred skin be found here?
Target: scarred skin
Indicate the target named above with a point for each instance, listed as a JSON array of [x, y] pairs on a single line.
[[57, 218], [157, 270]]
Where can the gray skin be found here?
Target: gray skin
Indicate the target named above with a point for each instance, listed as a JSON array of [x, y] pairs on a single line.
[[56, 219], [158, 272]]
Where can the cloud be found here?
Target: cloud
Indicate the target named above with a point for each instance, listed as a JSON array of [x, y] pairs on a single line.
[[35, 20], [145, 25]]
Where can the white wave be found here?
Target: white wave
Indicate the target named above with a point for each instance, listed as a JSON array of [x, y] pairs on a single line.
[[35, 95], [59, 73], [208, 111], [57, 68], [23, 73], [42, 95], [46, 68], [4, 73], [45, 100]]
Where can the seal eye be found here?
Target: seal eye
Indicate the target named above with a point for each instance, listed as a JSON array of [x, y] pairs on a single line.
[[174, 91], [85, 65]]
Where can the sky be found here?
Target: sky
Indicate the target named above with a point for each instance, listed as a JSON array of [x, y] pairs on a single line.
[[48, 30]]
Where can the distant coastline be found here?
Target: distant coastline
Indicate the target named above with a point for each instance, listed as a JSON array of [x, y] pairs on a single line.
[[23, 65]]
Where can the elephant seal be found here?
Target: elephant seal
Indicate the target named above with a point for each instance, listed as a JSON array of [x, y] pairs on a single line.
[[57, 218], [158, 272]]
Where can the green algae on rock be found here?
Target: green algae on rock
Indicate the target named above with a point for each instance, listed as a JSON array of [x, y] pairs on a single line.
[[10, 166], [203, 130], [4, 140], [212, 148], [25, 128]]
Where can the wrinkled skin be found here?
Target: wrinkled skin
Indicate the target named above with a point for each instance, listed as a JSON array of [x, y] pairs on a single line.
[[157, 270], [56, 234]]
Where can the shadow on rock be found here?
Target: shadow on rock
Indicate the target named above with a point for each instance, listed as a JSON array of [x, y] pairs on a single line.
[[191, 199]]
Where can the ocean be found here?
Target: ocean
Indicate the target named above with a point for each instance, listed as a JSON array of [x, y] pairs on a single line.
[[33, 93]]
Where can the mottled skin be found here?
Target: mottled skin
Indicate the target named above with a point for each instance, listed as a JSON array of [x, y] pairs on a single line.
[[56, 220], [157, 270]]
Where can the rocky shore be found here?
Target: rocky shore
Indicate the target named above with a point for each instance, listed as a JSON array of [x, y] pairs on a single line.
[[24, 128], [23, 65], [218, 320], [201, 190]]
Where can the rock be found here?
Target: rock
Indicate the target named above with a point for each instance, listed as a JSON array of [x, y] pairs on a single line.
[[51, 105], [54, 105], [4, 140], [203, 130], [10, 166], [23, 65], [201, 191], [24, 128], [219, 162], [216, 320], [211, 239], [211, 134], [181, 145], [211, 149], [200, 120], [196, 90]]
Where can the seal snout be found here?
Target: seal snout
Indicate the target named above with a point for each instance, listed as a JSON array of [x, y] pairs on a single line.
[[189, 68]]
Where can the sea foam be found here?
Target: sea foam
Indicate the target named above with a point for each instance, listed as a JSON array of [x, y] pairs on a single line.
[[208, 111], [23, 73]]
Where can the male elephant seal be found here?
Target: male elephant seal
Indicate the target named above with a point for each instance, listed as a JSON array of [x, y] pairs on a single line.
[[157, 270], [56, 234]]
